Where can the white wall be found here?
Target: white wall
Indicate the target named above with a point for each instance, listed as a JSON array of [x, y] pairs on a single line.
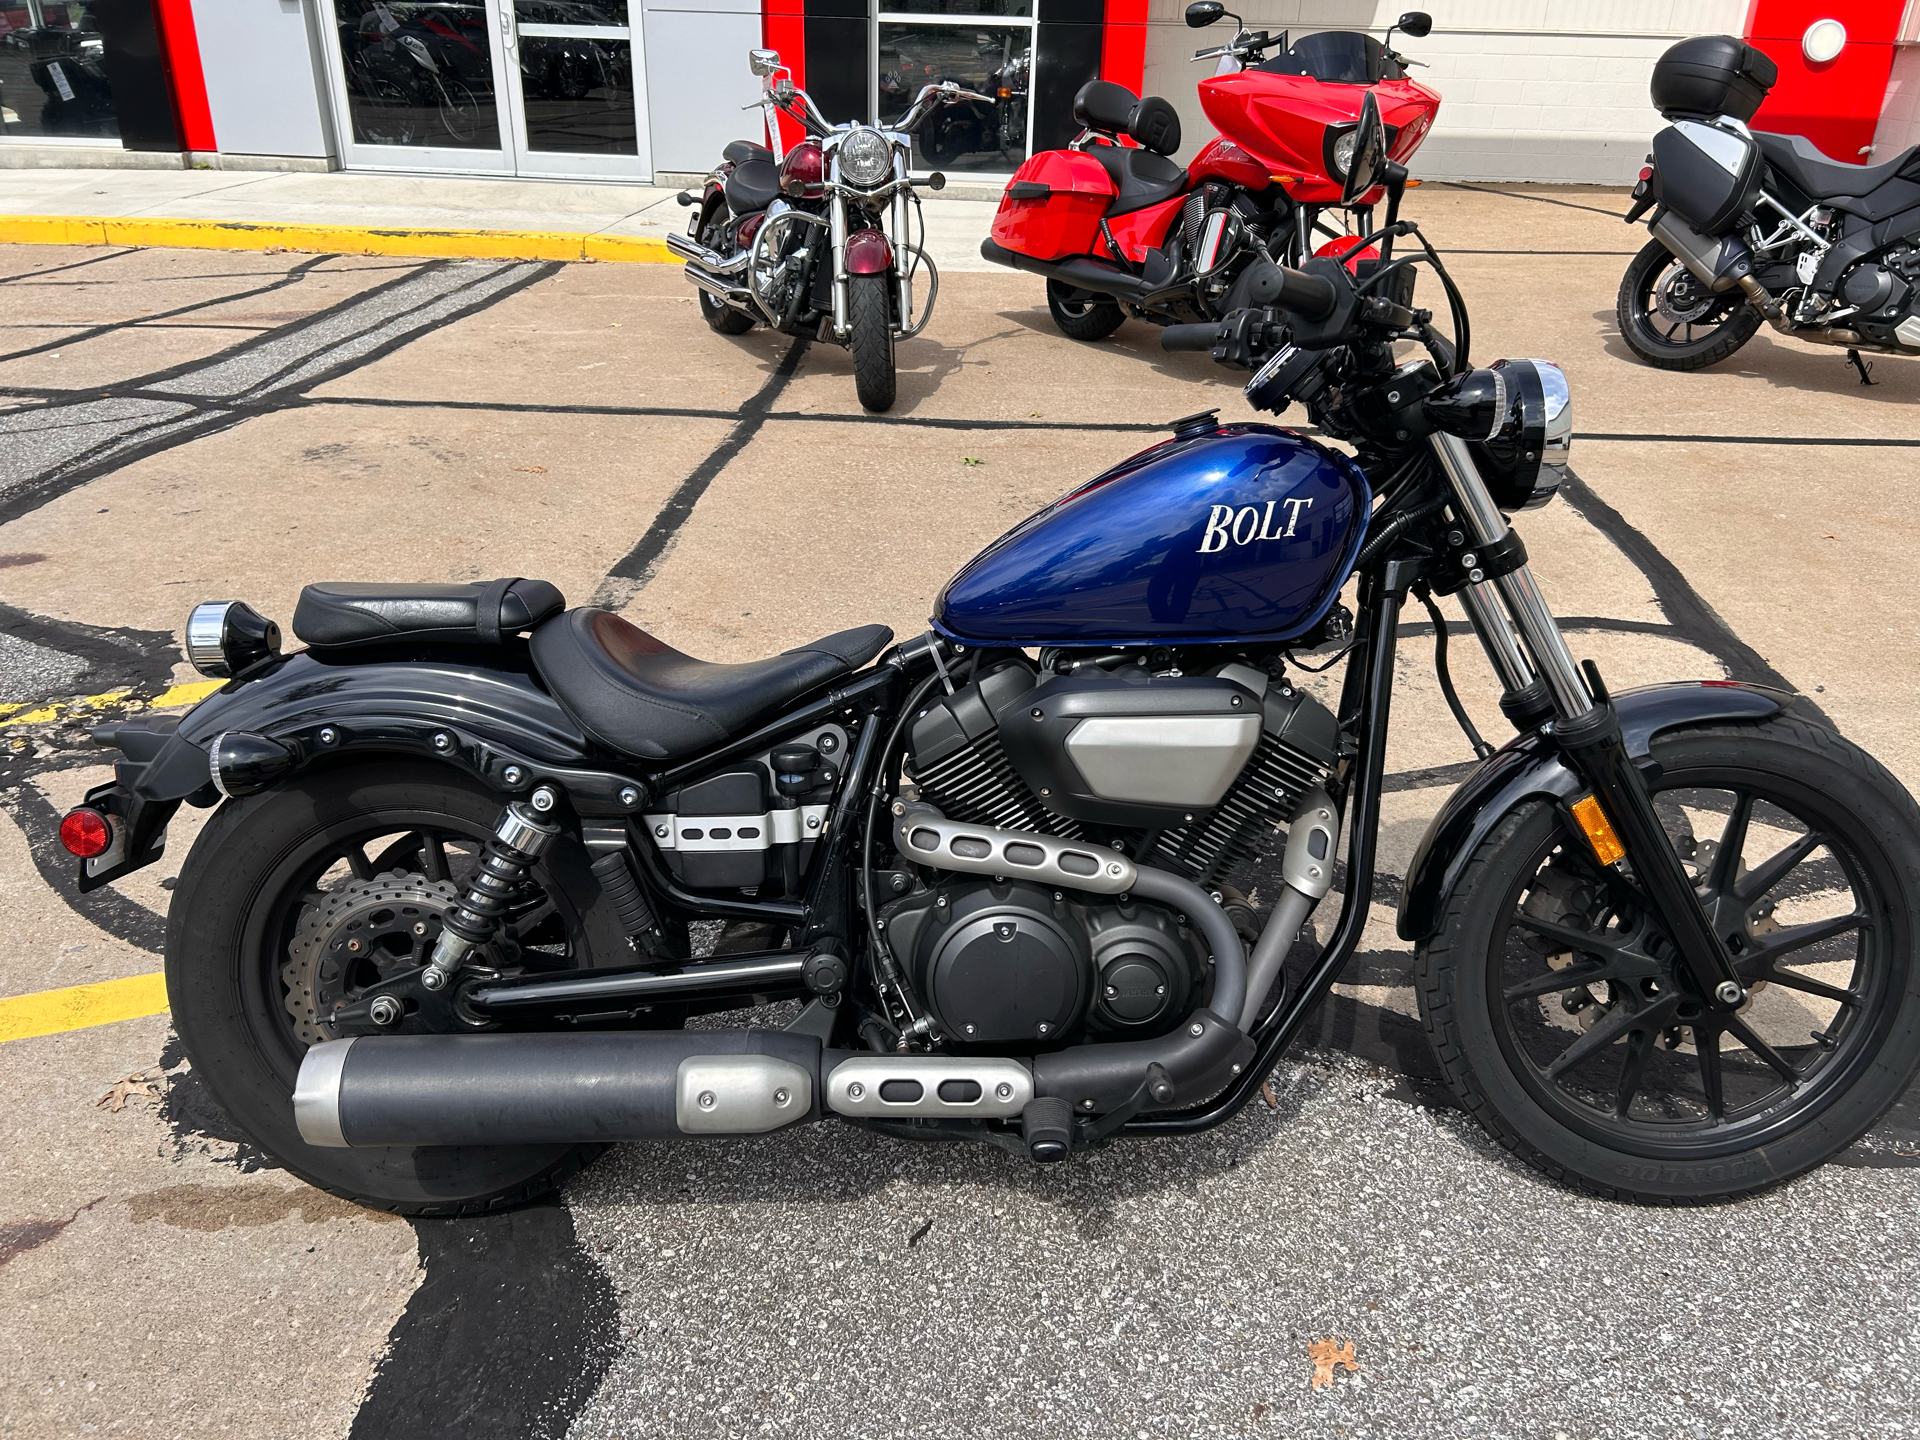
[[1899, 124], [697, 80], [263, 82], [1551, 90]]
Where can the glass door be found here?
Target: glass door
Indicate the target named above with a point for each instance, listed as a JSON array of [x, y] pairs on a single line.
[[986, 45], [577, 108], [541, 88]]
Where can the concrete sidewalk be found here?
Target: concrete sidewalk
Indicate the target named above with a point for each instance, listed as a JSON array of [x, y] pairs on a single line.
[[357, 200]]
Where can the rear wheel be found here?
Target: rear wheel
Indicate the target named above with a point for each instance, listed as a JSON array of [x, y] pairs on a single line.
[[1669, 319], [1554, 1003], [719, 315], [870, 319], [297, 899], [1081, 314]]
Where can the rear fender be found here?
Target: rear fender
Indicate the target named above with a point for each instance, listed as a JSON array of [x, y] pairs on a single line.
[[1530, 768], [868, 253], [482, 719]]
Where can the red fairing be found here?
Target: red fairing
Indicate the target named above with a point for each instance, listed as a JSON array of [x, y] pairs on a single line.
[[1282, 122], [749, 228], [1139, 231], [1224, 160], [868, 253], [1063, 221], [1335, 248], [804, 170]]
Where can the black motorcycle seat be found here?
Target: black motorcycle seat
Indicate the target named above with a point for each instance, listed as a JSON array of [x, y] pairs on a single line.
[[1819, 178], [638, 695], [1115, 110], [738, 152], [1142, 177], [752, 186], [339, 614]]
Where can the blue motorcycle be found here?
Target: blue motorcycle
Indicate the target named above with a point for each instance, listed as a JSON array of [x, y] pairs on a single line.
[[431, 948]]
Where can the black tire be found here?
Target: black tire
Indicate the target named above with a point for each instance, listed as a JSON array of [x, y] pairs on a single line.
[[1752, 1126], [870, 338], [233, 911], [1081, 314], [721, 317], [1666, 337]]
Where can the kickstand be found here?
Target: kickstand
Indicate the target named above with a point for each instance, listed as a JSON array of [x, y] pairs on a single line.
[[1866, 370]]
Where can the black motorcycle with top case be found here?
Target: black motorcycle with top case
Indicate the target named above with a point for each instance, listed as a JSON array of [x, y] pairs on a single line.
[[1750, 226], [431, 948]]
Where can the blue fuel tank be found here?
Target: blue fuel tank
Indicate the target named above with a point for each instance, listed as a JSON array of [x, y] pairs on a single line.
[[1242, 532]]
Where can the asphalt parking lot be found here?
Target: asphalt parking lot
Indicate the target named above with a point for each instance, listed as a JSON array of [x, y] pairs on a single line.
[[178, 425]]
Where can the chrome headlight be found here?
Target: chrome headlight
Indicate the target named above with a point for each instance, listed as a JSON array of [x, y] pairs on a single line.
[[866, 158], [1518, 416], [1343, 153], [224, 637]]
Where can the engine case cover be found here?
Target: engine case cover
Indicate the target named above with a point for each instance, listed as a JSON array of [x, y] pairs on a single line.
[[1146, 969], [1130, 748], [998, 963]]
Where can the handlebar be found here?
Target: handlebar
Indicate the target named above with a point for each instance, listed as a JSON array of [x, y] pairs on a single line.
[[1190, 337], [1307, 296]]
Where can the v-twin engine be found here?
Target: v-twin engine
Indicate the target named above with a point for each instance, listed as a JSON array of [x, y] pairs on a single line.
[[1187, 774]]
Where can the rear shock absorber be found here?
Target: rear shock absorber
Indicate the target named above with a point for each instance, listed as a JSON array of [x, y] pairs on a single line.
[[519, 839]]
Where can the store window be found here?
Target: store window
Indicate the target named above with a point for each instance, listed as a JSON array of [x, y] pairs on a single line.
[[53, 76], [985, 45]]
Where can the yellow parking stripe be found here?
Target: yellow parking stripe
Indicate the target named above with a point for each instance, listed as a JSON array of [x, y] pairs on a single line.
[[52, 1012], [332, 239], [172, 698]]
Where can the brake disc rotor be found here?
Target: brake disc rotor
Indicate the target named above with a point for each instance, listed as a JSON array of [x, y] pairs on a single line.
[[363, 932], [1679, 296]]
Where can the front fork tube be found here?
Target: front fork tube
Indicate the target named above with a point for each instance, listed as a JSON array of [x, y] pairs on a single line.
[[902, 271], [1587, 731], [837, 231]]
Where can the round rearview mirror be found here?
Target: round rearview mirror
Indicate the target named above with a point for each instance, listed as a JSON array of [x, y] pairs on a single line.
[[1416, 23], [1203, 13], [1369, 153]]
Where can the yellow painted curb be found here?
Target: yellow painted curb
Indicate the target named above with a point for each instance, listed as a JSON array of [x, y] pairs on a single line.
[[172, 698], [51, 1012], [332, 239]]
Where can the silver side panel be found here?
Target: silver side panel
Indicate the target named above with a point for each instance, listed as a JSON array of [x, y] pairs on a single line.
[[316, 1094], [1163, 759], [999, 1089], [739, 1094]]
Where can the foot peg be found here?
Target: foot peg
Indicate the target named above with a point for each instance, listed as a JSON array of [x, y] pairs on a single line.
[[1047, 1124]]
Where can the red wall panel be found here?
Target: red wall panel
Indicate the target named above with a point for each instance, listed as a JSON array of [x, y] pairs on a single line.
[[182, 47], [1835, 105], [1123, 45]]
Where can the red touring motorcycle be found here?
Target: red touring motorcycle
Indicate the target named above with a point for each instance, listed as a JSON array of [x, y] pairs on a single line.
[[1120, 230]]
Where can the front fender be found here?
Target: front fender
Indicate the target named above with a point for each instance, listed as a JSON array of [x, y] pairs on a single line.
[[1531, 767], [868, 253], [484, 719]]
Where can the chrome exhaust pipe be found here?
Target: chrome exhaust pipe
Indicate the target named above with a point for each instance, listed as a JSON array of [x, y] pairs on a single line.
[[553, 1089], [694, 253], [714, 285]]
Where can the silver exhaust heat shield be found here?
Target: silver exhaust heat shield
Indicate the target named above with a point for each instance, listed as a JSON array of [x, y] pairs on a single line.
[[694, 253], [546, 1089], [929, 1087], [1717, 264]]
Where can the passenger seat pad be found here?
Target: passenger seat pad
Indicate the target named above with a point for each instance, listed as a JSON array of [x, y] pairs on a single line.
[[340, 614], [638, 695]]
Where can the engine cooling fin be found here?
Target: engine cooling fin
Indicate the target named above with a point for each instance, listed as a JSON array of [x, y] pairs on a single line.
[[1265, 795], [977, 784]]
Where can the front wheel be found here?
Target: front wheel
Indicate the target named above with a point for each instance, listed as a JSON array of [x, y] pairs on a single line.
[[1669, 319], [1081, 314], [1553, 1000], [296, 900], [870, 338]]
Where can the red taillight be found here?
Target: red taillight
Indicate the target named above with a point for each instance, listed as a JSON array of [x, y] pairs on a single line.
[[86, 833], [1646, 172]]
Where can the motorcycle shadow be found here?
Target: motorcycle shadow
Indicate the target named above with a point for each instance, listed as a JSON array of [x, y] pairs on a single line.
[[1800, 367], [921, 366], [1136, 340]]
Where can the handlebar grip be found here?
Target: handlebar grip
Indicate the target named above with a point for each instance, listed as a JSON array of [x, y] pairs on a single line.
[[1307, 296], [1190, 337]]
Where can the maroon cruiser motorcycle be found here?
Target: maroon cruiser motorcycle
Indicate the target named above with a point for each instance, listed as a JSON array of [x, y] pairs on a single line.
[[431, 948]]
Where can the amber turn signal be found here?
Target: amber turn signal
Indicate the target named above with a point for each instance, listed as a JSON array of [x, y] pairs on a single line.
[[1599, 833]]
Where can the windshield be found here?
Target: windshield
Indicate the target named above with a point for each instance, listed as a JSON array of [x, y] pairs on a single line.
[[1336, 57]]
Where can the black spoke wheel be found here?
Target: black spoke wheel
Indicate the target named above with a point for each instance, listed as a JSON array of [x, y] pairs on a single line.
[[1556, 1006], [300, 898], [1669, 319], [1081, 314]]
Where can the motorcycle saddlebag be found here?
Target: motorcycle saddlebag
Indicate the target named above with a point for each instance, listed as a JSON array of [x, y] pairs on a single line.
[[1053, 205], [1712, 75], [1707, 174]]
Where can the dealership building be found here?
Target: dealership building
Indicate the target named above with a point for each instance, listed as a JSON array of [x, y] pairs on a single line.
[[649, 90]]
